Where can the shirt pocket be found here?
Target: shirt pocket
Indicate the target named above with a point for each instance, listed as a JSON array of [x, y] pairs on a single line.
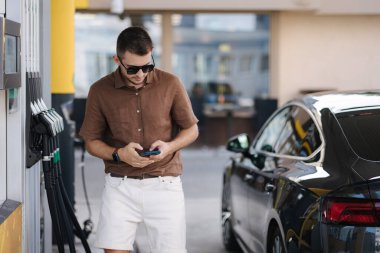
[[121, 121]]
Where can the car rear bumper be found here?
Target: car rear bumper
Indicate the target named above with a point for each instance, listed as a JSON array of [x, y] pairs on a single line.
[[350, 239]]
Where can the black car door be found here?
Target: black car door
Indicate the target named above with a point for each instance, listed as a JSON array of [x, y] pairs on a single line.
[[239, 198], [260, 188], [257, 180], [296, 136]]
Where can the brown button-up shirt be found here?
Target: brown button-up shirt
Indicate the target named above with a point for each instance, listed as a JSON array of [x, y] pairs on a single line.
[[119, 114]]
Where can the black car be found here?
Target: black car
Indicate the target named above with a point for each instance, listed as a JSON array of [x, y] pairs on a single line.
[[310, 180]]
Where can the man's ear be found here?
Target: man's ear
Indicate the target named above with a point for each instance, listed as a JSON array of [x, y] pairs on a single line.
[[116, 59]]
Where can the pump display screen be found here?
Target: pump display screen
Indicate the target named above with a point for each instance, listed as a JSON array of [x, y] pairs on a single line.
[[10, 54]]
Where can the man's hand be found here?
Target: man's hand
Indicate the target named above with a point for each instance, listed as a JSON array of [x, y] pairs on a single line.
[[164, 147], [129, 155], [184, 138]]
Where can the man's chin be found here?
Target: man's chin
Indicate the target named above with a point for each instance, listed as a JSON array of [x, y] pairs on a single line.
[[136, 83]]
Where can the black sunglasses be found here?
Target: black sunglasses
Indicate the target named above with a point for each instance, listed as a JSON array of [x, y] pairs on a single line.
[[132, 70]]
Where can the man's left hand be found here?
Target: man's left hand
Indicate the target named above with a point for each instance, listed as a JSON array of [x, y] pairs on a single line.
[[164, 147]]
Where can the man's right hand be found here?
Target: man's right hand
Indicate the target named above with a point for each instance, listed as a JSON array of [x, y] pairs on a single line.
[[129, 155]]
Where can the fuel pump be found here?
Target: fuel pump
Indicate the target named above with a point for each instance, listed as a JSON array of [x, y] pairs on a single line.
[[45, 126]]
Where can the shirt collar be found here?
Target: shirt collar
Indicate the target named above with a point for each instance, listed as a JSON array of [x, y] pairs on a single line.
[[121, 82]]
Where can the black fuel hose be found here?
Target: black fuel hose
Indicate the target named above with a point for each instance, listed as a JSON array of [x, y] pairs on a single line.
[[62, 213], [65, 222], [68, 206], [49, 178]]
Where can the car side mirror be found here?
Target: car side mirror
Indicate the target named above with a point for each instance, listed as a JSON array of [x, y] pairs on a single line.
[[259, 159], [239, 144], [267, 148]]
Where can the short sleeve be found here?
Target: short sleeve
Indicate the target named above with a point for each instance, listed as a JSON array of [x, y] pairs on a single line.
[[94, 122], [182, 111]]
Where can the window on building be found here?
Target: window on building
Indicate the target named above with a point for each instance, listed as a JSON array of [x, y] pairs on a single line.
[[245, 63], [225, 63], [264, 63], [220, 48]]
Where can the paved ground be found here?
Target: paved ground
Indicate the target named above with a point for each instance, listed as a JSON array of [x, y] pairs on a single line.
[[202, 182]]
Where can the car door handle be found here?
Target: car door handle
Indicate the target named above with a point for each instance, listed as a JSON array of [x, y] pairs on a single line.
[[270, 187], [248, 177]]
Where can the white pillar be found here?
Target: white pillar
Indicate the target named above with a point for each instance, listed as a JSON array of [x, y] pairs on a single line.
[[167, 42]]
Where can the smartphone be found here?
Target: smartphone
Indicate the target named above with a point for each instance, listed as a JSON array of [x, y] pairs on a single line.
[[148, 152]]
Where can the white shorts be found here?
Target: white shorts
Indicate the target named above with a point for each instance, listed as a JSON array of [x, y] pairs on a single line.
[[157, 202]]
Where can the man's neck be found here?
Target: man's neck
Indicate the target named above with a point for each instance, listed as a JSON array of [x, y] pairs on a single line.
[[132, 85], [136, 86]]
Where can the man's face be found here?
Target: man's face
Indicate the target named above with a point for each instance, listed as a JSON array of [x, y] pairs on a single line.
[[131, 61]]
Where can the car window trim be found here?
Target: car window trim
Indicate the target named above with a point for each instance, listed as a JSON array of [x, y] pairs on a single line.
[[299, 158], [274, 114]]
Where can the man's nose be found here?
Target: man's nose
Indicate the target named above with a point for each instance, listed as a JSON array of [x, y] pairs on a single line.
[[140, 73]]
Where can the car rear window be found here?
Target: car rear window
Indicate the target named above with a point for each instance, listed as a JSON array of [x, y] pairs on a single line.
[[362, 129]]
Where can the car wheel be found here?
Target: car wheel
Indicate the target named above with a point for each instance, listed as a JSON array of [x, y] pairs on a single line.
[[275, 242], [229, 239]]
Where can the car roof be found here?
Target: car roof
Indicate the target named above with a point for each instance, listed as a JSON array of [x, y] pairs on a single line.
[[344, 101]]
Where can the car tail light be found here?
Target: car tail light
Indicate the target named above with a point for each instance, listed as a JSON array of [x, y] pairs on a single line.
[[350, 212]]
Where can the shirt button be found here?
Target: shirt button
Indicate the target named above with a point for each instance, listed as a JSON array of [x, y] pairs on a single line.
[[138, 111], [139, 130]]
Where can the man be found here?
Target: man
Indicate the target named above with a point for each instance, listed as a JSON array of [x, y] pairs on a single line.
[[135, 108]]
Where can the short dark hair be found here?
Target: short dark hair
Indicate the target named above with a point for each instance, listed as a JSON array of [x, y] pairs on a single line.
[[135, 40]]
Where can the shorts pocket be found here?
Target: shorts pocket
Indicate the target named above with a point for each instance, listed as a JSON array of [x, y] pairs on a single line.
[[113, 181], [173, 184]]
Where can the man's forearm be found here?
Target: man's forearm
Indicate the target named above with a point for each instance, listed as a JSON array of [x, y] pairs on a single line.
[[99, 149], [184, 138]]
